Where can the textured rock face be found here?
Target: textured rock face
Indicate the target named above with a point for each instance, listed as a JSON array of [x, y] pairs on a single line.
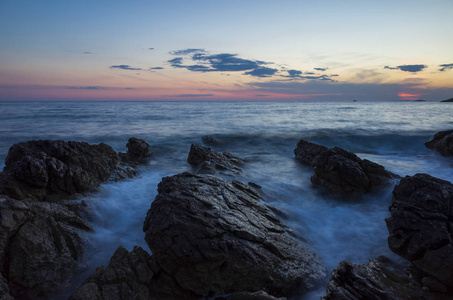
[[215, 237], [40, 246], [137, 150], [50, 170], [130, 275], [377, 280], [340, 171], [221, 161], [421, 225], [442, 142]]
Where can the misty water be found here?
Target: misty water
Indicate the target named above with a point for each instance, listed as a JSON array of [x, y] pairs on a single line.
[[265, 135]]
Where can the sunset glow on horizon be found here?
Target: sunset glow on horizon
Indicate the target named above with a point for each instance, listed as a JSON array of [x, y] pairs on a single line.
[[231, 50]]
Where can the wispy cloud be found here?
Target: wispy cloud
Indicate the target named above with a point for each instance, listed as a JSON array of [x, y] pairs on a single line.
[[156, 68], [125, 67], [262, 72], [408, 68], [150, 48], [186, 51], [192, 95], [445, 67], [320, 69], [86, 52], [176, 61], [85, 88]]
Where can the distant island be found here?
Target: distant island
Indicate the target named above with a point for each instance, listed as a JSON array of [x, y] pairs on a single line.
[[448, 100]]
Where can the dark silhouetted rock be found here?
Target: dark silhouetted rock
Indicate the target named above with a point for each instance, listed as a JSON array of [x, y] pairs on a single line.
[[4, 290], [448, 100], [261, 295], [137, 150], [220, 161], [50, 170], [40, 246], [379, 279], [215, 237], [130, 275], [421, 225], [442, 142], [307, 152], [340, 171]]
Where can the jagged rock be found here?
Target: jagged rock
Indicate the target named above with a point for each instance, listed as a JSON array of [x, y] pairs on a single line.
[[220, 161], [129, 275], [40, 246], [442, 142], [340, 171], [421, 225], [215, 237], [379, 279], [137, 150], [260, 295], [50, 170]]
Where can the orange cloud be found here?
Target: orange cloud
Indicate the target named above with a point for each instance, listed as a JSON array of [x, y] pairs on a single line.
[[407, 96]]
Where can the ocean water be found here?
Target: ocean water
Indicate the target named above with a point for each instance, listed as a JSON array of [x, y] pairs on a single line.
[[265, 135]]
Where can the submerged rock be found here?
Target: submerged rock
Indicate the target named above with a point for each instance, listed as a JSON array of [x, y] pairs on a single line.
[[215, 237], [442, 142], [421, 225], [137, 150], [40, 246], [340, 171], [221, 161], [50, 170], [379, 279]]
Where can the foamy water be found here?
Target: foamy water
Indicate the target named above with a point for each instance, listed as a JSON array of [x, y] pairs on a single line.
[[265, 134]]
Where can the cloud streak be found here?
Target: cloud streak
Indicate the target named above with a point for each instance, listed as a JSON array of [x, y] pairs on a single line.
[[408, 68], [445, 67], [125, 67]]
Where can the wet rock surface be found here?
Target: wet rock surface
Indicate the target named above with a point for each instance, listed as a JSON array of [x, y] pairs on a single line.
[[340, 171], [421, 225], [442, 142], [215, 237], [50, 170], [380, 279], [40, 245], [137, 150], [200, 156]]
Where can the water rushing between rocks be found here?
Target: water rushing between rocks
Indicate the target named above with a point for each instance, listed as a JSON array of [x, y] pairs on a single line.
[[264, 135]]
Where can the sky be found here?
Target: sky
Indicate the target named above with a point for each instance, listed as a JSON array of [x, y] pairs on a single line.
[[226, 50]]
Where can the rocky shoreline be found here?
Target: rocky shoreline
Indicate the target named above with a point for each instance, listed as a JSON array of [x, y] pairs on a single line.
[[211, 235]]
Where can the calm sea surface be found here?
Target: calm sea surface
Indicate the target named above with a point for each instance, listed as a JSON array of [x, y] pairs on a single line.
[[265, 134]]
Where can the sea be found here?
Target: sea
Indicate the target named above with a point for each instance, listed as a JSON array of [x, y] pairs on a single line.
[[265, 134]]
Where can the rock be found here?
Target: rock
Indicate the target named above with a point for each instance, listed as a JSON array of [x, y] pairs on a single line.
[[448, 100], [220, 161], [215, 237], [379, 279], [421, 225], [129, 275], [41, 244], [137, 150], [442, 142], [4, 290], [340, 171], [51, 170], [307, 152], [260, 295]]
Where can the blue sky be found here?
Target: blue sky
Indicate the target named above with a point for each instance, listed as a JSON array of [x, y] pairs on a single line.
[[226, 50]]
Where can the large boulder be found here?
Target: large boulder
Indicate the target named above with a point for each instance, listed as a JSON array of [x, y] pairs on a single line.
[[216, 237], [137, 150], [421, 225], [41, 244], [201, 157], [442, 142], [340, 171], [49, 170], [379, 279]]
